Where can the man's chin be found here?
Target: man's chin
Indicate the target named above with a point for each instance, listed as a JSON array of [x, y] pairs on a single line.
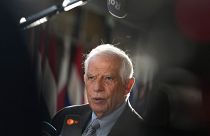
[[98, 110]]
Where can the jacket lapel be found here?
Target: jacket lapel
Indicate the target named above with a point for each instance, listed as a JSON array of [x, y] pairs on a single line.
[[129, 123], [85, 118], [119, 125]]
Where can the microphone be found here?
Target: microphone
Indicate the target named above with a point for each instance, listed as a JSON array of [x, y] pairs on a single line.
[[43, 16], [48, 129], [117, 8]]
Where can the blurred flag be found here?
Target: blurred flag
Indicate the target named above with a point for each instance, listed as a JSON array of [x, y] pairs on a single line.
[[75, 83], [62, 99], [47, 71], [60, 73], [40, 57], [70, 85]]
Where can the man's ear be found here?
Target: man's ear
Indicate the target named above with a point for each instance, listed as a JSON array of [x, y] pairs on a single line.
[[130, 84]]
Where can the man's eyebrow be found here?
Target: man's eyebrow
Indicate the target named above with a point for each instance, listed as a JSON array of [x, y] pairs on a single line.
[[89, 74]]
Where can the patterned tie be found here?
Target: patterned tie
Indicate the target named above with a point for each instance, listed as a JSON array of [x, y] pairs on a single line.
[[91, 129]]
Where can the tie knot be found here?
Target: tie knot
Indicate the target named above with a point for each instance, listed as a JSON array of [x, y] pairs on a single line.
[[91, 130], [95, 124]]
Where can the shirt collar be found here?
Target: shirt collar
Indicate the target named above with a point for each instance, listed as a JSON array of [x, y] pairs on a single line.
[[109, 120]]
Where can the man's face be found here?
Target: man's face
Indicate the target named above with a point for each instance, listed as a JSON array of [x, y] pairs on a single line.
[[104, 86]]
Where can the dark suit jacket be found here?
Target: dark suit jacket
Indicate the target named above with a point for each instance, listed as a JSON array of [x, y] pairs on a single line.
[[73, 120]]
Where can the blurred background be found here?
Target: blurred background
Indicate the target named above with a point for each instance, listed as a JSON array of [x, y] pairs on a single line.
[[168, 41]]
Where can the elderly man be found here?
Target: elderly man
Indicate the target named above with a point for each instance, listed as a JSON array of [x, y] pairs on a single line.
[[108, 81]]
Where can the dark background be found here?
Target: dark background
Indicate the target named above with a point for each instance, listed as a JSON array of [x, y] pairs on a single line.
[[176, 33]]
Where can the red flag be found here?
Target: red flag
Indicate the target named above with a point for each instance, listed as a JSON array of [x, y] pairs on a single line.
[[49, 76], [63, 74], [75, 84]]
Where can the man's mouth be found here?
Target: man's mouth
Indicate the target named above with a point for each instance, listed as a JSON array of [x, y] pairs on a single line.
[[98, 100]]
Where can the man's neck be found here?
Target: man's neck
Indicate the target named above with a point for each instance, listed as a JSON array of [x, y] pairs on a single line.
[[101, 115]]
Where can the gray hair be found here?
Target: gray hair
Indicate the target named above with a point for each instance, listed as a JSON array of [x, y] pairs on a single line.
[[126, 71]]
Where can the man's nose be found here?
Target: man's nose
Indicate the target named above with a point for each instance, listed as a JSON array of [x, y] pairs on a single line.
[[98, 85]]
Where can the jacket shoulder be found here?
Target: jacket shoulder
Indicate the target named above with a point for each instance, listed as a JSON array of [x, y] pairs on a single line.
[[75, 109]]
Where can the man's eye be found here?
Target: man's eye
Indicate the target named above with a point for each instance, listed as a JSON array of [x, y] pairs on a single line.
[[108, 78], [90, 77]]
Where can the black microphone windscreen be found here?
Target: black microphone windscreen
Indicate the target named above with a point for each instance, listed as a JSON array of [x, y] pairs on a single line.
[[48, 129], [117, 8]]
